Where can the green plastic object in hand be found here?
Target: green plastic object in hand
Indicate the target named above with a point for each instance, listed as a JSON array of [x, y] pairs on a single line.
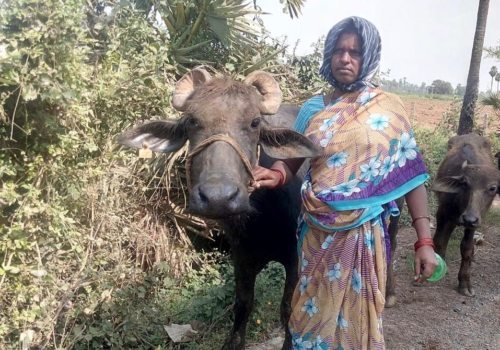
[[439, 271]]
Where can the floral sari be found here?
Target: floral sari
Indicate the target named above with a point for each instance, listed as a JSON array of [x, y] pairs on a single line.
[[370, 158]]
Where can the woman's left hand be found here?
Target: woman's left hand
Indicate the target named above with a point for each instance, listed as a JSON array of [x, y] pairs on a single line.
[[425, 263]]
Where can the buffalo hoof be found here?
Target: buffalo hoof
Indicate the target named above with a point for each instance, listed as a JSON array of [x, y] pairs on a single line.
[[467, 291], [233, 343], [390, 301]]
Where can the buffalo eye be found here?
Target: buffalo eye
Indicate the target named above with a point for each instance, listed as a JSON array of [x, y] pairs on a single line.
[[255, 123], [192, 122], [493, 189]]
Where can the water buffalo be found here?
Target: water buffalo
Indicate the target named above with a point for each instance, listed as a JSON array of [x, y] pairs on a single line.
[[466, 183], [224, 122]]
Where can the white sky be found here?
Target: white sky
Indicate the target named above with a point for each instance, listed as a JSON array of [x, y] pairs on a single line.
[[422, 40]]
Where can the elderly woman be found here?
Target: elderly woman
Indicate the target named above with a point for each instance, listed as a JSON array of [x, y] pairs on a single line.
[[369, 159]]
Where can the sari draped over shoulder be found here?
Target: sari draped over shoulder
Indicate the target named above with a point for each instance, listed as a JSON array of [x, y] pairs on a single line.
[[370, 158]]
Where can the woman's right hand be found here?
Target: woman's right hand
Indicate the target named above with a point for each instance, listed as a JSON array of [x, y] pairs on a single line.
[[266, 178]]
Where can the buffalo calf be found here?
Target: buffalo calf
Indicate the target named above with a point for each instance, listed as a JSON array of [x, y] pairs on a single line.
[[466, 183]]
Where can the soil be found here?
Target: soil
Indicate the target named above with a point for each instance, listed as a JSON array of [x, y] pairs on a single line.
[[434, 316]]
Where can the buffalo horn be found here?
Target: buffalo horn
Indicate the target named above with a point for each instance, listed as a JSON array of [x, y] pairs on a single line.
[[185, 86], [268, 88]]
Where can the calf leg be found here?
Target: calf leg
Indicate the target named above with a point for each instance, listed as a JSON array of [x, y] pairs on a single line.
[[245, 274], [291, 280], [444, 228], [467, 251], [390, 293]]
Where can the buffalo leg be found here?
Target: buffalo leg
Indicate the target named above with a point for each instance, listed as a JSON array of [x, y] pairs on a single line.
[[291, 279], [390, 293], [444, 229], [243, 305], [467, 251]]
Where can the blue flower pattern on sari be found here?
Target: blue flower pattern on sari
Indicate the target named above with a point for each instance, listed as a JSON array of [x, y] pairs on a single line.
[[326, 139], [387, 167], [327, 242], [365, 97], [304, 283], [335, 273], [375, 170], [370, 241], [301, 342], [320, 344], [356, 281], [370, 170], [347, 188], [304, 263], [378, 121], [310, 307], [341, 321], [406, 149], [337, 160]]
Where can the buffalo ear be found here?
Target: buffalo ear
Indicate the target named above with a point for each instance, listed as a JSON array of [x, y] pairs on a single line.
[[158, 136], [286, 144], [449, 184]]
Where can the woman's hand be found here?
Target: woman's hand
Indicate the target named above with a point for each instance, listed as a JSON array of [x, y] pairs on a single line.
[[266, 178], [425, 263]]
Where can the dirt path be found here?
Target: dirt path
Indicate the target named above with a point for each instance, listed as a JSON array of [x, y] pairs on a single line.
[[435, 316]]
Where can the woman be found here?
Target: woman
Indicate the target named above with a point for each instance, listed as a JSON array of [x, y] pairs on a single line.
[[369, 160]]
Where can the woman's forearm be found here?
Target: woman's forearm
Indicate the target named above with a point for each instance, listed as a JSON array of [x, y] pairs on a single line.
[[419, 211]]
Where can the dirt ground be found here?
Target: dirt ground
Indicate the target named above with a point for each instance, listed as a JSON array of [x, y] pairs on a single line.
[[425, 112], [435, 316]]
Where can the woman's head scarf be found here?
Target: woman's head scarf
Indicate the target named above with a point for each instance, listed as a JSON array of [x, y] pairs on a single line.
[[370, 49]]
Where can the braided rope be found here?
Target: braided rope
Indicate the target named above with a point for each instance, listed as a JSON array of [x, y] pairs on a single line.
[[215, 138]]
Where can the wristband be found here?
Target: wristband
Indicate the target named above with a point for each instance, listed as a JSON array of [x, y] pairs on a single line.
[[423, 242], [281, 182]]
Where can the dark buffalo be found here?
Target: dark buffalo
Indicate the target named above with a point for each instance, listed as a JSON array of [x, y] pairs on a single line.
[[224, 124], [466, 183]]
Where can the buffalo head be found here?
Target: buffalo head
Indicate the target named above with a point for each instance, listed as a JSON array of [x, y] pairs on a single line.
[[475, 188], [223, 122]]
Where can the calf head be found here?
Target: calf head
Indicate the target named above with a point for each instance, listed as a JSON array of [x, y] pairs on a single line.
[[222, 121], [475, 187]]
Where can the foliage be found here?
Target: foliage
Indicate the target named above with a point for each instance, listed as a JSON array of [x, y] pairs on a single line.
[[441, 87]]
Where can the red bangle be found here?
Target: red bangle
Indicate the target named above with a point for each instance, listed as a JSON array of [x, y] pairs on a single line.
[[281, 182], [423, 242]]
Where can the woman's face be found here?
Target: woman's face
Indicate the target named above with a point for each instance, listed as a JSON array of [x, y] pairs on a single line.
[[347, 58]]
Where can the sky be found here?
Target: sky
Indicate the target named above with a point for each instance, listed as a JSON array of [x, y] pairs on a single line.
[[422, 40]]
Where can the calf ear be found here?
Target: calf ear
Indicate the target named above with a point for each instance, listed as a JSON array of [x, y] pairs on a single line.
[[285, 144], [449, 184], [158, 136]]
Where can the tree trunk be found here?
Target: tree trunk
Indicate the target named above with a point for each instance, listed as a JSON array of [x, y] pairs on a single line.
[[466, 121]]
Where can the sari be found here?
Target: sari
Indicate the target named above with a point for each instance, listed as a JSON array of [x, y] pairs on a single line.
[[370, 158]]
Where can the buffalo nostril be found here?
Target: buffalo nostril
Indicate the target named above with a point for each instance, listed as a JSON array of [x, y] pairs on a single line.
[[470, 220], [233, 193], [203, 196]]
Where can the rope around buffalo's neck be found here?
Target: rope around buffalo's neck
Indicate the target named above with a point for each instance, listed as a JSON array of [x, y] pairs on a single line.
[[229, 140]]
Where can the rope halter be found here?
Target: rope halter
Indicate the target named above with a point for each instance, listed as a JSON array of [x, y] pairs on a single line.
[[233, 143]]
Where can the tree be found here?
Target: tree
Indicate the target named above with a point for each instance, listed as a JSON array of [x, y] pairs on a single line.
[[493, 72], [497, 79], [466, 121], [442, 87]]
